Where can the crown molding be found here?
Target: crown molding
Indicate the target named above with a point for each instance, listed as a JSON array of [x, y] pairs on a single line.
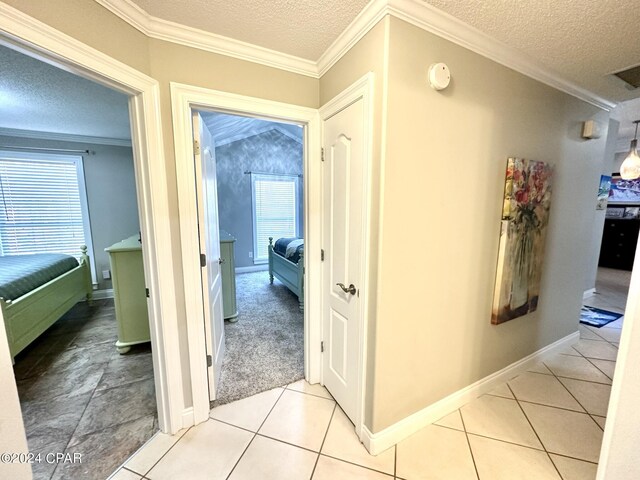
[[415, 12], [358, 28], [456, 31], [64, 137], [192, 37]]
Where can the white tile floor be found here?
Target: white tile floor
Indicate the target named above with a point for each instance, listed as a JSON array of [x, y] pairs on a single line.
[[546, 423]]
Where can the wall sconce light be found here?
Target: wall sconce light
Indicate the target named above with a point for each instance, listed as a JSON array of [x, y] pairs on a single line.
[[630, 169]]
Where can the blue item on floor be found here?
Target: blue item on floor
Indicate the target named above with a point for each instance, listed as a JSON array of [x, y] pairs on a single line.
[[596, 317]]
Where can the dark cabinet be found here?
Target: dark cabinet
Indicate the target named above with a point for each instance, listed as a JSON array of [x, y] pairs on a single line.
[[619, 241]]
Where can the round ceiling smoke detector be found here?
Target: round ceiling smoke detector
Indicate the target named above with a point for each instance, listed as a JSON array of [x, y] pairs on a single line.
[[439, 76]]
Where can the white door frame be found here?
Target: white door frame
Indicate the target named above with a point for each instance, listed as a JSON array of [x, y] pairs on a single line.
[[361, 89], [184, 99], [34, 38]]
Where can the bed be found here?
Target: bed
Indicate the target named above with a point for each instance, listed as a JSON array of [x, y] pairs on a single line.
[[286, 263], [36, 290]]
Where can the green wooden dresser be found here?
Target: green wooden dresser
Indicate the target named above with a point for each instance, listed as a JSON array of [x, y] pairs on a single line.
[[127, 273], [227, 254]]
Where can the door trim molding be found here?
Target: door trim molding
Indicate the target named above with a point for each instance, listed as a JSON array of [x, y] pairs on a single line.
[[378, 442], [361, 89], [36, 39], [184, 98]]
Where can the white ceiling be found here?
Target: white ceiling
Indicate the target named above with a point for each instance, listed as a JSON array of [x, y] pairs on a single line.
[[36, 96], [303, 28], [582, 40]]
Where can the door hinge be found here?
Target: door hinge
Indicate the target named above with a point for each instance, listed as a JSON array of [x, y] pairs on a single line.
[[203, 260], [322, 255], [146, 291], [196, 147], [209, 361], [321, 347], [322, 154]]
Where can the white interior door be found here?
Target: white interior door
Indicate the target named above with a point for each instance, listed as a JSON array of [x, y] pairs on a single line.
[[209, 233], [344, 163]]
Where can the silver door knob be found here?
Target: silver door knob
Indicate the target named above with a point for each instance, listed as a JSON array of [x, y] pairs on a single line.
[[350, 289]]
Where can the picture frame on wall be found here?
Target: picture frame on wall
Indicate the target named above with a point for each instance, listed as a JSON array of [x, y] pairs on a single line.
[[525, 217], [624, 192], [603, 192]]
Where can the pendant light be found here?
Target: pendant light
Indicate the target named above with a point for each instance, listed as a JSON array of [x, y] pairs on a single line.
[[630, 168]]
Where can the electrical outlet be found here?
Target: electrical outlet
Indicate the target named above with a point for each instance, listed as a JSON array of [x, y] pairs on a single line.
[[106, 274], [250, 254]]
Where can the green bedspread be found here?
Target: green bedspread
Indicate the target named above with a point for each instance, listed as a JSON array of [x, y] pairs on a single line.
[[19, 274]]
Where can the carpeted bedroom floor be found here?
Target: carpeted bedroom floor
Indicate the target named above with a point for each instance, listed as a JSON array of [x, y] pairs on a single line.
[[265, 347]]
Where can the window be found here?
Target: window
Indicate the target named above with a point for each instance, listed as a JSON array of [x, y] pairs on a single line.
[[275, 211], [43, 206]]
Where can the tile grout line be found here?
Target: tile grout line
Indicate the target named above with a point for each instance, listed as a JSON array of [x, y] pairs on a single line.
[[286, 387], [256, 433], [333, 412], [581, 379], [81, 416], [585, 410], [577, 379], [395, 461], [342, 460], [163, 455], [466, 435], [534, 431]]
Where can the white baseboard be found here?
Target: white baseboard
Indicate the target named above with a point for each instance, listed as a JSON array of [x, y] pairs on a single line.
[[378, 442], [188, 419], [102, 294], [589, 293], [253, 268]]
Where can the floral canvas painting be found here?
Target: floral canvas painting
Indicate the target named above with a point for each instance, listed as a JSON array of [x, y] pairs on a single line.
[[525, 216]]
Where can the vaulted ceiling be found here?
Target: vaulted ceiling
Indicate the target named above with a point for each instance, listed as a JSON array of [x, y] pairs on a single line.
[[228, 128]]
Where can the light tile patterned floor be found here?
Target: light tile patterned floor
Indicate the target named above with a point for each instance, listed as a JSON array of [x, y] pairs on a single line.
[[546, 423]]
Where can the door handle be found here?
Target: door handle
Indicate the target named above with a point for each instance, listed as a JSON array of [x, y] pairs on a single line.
[[220, 261], [350, 289]]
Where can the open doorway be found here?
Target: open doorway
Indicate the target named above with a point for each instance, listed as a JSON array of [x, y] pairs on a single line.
[[67, 179], [259, 195]]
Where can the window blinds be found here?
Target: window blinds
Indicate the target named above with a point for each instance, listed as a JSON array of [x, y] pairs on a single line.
[[40, 206], [274, 210]]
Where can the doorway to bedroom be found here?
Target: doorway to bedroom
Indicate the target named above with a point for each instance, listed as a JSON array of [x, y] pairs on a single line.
[[83, 369], [252, 169]]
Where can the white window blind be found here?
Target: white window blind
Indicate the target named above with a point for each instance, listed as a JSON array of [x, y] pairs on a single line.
[[42, 204], [275, 206]]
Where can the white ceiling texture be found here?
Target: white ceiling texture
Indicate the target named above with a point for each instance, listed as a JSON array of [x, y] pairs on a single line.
[[36, 96], [581, 41]]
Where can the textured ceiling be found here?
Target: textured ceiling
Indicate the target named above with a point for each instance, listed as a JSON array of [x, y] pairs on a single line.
[[584, 41], [35, 96], [304, 28], [230, 128]]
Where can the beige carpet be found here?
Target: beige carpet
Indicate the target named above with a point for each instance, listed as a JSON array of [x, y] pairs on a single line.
[[265, 347]]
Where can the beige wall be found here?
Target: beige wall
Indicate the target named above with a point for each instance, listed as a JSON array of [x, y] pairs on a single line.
[[439, 168], [443, 184], [368, 55], [91, 23], [175, 63]]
